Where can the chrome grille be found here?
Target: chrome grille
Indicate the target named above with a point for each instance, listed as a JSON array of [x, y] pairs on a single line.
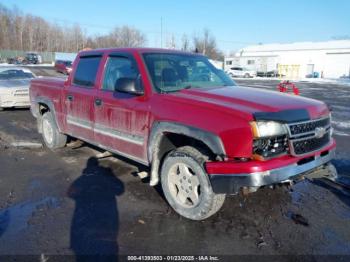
[[21, 93], [309, 126], [308, 136]]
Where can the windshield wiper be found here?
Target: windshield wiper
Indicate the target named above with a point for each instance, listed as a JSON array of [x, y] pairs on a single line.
[[190, 86], [163, 91]]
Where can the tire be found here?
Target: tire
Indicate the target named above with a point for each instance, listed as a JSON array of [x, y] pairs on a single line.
[[190, 195], [53, 139], [1, 109], [246, 75]]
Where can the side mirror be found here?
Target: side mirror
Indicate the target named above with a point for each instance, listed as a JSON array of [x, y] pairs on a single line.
[[129, 85]]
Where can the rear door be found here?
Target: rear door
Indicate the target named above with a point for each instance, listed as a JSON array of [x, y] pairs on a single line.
[[121, 119], [79, 98]]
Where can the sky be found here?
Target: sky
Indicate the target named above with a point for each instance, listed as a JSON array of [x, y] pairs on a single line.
[[235, 24]]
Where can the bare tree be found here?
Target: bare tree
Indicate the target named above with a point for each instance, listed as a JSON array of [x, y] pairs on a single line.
[[185, 46], [171, 42], [33, 33], [131, 37], [206, 44], [20, 31]]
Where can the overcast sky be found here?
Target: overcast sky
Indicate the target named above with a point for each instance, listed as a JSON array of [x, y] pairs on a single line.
[[235, 24]]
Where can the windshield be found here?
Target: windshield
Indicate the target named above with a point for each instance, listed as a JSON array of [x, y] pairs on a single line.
[[174, 72], [12, 74]]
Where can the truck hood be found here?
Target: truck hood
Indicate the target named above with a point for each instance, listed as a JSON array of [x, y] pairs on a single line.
[[245, 101], [22, 83]]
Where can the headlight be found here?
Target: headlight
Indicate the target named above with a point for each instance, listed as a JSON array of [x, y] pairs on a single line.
[[267, 129]]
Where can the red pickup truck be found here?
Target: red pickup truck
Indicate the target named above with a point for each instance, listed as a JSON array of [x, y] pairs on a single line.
[[202, 136]]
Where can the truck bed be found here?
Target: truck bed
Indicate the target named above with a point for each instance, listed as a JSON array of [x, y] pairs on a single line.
[[49, 88]]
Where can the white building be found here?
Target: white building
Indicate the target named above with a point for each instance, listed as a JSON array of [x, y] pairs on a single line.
[[329, 59]]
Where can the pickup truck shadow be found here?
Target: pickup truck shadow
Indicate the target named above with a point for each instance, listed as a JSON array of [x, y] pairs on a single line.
[[95, 221]]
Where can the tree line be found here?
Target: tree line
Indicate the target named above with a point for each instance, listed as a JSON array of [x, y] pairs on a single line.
[[19, 31]]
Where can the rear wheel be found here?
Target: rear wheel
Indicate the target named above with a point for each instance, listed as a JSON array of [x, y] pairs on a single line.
[[53, 139], [186, 185]]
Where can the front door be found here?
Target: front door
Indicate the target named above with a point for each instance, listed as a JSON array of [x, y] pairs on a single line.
[[121, 119], [79, 99]]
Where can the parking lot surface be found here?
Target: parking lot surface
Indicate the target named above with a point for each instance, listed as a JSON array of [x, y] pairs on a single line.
[[75, 202]]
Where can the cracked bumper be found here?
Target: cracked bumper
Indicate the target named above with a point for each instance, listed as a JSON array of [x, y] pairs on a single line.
[[284, 169]]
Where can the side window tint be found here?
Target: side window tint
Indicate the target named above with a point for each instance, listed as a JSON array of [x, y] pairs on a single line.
[[86, 72], [118, 67]]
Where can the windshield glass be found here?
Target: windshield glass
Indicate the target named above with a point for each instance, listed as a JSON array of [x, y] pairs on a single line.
[[15, 74], [173, 72]]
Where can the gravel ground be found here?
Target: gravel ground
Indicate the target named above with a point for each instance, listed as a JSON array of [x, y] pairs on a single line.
[[69, 202]]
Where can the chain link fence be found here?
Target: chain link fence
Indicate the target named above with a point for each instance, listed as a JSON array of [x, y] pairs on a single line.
[[47, 57]]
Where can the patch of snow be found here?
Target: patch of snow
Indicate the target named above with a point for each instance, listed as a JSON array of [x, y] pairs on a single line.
[[339, 133], [342, 124], [342, 81], [26, 144]]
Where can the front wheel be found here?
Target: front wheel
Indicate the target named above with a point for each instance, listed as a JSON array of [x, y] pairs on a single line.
[[52, 137], [186, 185]]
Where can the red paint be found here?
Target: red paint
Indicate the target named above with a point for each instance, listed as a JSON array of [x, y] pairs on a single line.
[[288, 87], [224, 111]]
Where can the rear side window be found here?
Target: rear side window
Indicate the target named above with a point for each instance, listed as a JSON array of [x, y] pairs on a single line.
[[86, 72]]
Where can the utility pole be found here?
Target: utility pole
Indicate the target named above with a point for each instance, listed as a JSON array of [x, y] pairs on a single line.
[[161, 32]]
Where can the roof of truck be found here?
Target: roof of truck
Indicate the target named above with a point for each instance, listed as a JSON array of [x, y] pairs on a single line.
[[135, 49]]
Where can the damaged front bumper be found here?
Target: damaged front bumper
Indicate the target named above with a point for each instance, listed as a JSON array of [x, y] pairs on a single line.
[[285, 169]]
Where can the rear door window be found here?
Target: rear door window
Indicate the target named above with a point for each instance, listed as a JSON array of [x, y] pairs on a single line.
[[86, 72]]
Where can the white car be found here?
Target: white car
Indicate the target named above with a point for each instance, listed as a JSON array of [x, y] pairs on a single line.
[[14, 87], [240, 72]]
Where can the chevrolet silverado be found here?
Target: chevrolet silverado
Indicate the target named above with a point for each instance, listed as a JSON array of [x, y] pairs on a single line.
[[201, 135]]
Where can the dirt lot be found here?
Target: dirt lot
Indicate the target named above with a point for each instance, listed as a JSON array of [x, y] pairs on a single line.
[[71, 202]]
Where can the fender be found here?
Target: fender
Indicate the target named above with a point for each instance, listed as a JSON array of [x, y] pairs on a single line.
[[48, 102], [160, 128]]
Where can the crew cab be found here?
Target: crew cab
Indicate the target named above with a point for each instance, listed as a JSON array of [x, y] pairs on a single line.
[[202, 136]]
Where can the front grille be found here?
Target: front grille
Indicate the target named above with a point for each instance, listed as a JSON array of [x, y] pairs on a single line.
[[309, 136], [21, 93], [305, 146], [309, 126]]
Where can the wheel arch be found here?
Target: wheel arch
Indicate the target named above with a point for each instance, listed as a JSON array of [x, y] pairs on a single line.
[[43, 105], [166, 136]]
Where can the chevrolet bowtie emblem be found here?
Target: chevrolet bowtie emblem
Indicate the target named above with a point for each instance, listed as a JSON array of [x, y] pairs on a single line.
[[320, 132]]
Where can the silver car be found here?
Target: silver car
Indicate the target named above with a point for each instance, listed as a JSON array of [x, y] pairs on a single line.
[[14, 87]]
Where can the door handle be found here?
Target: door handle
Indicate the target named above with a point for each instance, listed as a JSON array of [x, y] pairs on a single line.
[[98, 102], [70, 97]]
